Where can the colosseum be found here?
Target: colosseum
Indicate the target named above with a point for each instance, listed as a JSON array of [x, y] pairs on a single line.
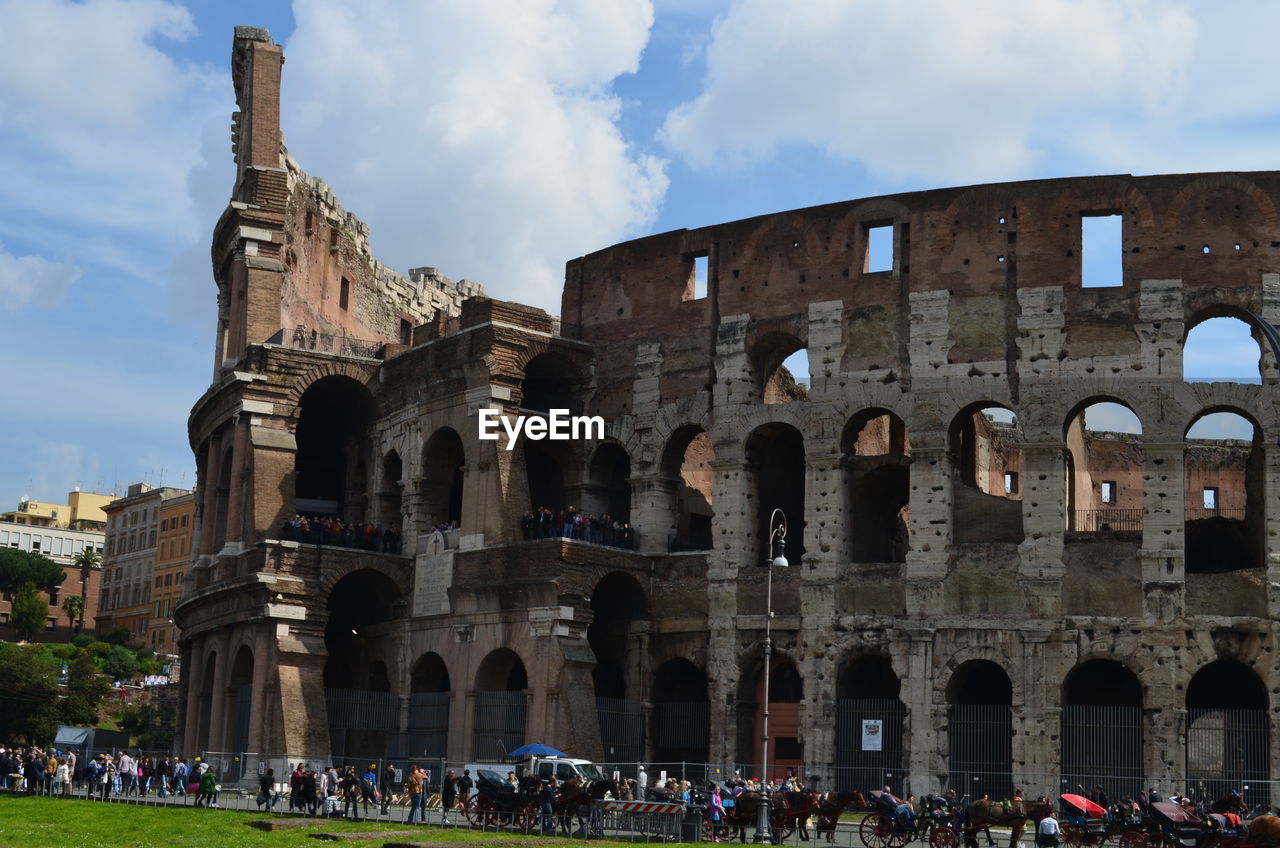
[[982, 591]]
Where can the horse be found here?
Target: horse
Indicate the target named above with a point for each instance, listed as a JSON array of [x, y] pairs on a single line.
[[793, 809], [575, 798], [1264, 832], [1229, 803], [831, 807], [984, 813]]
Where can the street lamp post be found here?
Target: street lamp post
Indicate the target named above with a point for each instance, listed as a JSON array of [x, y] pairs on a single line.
[[764, 832]]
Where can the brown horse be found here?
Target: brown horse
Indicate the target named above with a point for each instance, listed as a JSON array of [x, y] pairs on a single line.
[[1264, 832], [830, 807], [575, 798], [981, 814]]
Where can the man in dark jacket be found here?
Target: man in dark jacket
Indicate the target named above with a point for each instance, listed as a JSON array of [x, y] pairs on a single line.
[[448, 793], [388, 780]]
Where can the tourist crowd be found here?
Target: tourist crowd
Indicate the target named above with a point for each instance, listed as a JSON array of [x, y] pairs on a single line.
[[63, 773], [583, 526], [327, 530]]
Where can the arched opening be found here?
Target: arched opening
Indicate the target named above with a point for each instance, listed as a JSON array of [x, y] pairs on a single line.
[[550, 382], [1223, 480], [986, 479], [607, 498], [501, 682], [429, 694], [686, 467], [617, 602], [363, 713], [870, 724], [389, 492], [1228, 740], [551, 472], [780, 362], [1224, 348], [786, 691], [877, 459], [443, 461], [980, 730], [1102, 728], [334, 422], [241, 698], [1104, 468], [776, 464], [681, 713]]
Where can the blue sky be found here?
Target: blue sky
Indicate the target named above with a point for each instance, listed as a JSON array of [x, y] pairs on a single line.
[[496, 140]]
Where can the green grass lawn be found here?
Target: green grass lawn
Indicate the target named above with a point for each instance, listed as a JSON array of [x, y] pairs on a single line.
[[36, 822]]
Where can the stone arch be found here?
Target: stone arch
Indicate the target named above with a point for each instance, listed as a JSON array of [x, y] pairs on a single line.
[[365, 375], [501, 684], [608, 488], [687, 486], [550, 380], [1224, 485], [1102, 702], [616, 601], [869, 705], [1193, 343], [979, 694], [775, 466], [1203, 185], [358, 603], [772, 381], [1228, 730], [239, 699], [986, 491], [1103, 470], [389, 489], [336, 415], [429, 705], [204, 737], [444, 462], [552, 472], [680, 728], [876, 458]]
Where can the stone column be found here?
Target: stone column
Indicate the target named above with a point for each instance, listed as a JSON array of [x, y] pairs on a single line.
[[263, 664], [931, 521], [240, 456], [1272, 519], [209, 507], [824, 525], [219, 693], [924, 717], [735, 545], [1037, 720], [826, 349], [193, 652], [1163, 522], [1040, 566], [653, 511]]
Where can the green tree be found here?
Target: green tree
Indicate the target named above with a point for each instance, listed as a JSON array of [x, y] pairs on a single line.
[[85, 689], [28, 693], [73, 608], [19, 567], [87, 560], [120, 664], [29, 612], [117, 635]]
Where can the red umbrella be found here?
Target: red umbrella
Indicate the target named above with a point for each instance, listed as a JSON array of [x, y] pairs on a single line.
[[1080, 802]]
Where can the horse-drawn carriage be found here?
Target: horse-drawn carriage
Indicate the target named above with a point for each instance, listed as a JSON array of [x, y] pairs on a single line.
[[496, 803], [889, 825]]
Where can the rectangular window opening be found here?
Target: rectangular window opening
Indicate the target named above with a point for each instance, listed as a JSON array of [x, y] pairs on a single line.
[[1108, 491], [344, 295], [406, 331], [1211, 497], [1101, 251], [1011, 482], [695, 287], [879, 249]]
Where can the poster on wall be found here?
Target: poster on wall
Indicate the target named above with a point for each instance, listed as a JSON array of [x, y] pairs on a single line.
[[872, 734]]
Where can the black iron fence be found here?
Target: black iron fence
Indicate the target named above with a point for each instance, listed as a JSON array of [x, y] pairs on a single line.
[[1106, 520]]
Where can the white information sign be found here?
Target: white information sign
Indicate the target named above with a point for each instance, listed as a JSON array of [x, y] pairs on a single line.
[[872, 734]]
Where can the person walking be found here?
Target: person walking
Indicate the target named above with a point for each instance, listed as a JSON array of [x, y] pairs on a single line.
[[414, 787], [643, 782], [388, 781], [1047, 831], [448, 792]]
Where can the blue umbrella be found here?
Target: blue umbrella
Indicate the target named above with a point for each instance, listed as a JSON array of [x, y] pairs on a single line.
[[537, 749]]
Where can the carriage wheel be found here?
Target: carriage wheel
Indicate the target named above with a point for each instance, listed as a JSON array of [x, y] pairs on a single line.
[[479, 810], [1072, 836], [527, 819], [944, 837], [875, 830]]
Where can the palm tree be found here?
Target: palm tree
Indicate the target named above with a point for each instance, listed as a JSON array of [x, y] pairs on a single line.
[[73, 606], [86, 560]]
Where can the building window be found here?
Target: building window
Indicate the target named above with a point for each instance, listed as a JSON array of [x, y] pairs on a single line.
[[344, 295], [49, 625], [53, 598], [406, 331], [184, 520], [168, 580], [1011, 482], [1108, 491], [1211, 497]]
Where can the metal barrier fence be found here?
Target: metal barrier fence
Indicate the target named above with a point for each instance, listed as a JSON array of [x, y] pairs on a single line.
[[639, 821], [1106, 520]]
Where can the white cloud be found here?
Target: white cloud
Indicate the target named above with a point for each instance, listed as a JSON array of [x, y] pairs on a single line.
[[33, 279], [480, 138], [98, 125], [949, 91]]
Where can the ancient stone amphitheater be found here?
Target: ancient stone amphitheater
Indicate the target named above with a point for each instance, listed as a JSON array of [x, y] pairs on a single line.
[[983, 591]]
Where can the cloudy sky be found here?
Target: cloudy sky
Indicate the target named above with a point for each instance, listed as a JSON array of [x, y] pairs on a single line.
[[496, 140]]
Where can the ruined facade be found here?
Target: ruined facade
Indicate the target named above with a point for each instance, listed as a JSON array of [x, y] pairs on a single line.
[[957, 574]]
